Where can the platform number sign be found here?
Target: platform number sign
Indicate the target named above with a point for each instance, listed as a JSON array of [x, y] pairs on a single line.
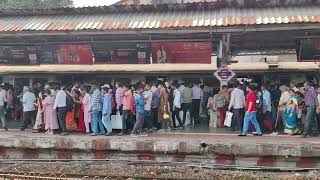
[[224, 74]]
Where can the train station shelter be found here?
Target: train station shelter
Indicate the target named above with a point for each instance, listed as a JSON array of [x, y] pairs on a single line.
[[271, 40]]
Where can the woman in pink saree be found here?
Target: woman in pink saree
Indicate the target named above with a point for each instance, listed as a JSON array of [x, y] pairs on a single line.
[[50, 115]]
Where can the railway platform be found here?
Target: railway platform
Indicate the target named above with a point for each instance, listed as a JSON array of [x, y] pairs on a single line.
[[167, 147]]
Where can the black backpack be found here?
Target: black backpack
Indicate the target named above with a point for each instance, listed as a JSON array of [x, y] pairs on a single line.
[[69, 103]]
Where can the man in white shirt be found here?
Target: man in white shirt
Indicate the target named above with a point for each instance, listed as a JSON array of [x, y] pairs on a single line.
[[237, 104], [60, 104], [29, 109], [3, 99], [147, 96], [197, 95], [176, 106]]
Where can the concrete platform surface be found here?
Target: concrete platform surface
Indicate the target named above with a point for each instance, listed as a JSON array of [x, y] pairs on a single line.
[[166, 147], [168, 142]]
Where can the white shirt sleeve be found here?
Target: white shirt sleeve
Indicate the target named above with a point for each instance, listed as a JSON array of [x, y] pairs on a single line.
[[231, 99], [56, 100]]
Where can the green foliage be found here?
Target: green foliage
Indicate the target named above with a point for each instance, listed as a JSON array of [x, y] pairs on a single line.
[[34, 4]]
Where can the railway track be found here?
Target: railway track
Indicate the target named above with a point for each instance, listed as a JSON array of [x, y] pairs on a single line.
[[154, 163], [39, 176], [17, 175]]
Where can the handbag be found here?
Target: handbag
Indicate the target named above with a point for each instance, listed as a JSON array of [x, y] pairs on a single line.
[[116, 121], [166, 117], [228, 119]]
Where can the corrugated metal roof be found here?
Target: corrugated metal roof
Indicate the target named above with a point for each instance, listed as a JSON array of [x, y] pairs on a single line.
[[227, 2], [156, 20], [161, 7]]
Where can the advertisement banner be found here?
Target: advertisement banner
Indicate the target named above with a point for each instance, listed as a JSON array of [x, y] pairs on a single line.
[[75, 54], [18, 55], [48, 54], [181, 52], [121, 53], [310, 50]]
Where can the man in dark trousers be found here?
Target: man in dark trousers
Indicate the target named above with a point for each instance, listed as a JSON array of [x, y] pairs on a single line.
[[60, 104], [311, 103]]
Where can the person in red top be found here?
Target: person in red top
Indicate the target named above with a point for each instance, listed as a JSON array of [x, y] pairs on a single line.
[[251, 113]]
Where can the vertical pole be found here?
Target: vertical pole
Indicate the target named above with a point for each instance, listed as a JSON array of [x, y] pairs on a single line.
[[300, 50], [225, 50], [30, 82]]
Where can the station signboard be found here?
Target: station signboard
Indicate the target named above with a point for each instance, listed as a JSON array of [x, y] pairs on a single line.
[[224, 74]]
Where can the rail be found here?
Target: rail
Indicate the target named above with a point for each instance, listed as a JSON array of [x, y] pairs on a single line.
[[153, 163]]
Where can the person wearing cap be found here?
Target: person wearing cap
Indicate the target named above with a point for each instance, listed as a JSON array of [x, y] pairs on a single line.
[[251, 113], [3, 100], [139, 101], [97, 98], [107, 108]]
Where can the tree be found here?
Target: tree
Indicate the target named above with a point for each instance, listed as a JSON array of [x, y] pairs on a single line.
[[35, 4]]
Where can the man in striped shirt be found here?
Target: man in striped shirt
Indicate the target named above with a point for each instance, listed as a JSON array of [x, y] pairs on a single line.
[[97, 100]]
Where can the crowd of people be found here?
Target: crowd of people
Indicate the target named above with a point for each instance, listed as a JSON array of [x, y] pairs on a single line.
[[288, 109], [143, 108]]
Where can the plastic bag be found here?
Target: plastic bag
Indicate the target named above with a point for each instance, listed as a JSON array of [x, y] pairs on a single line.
[[228, 119]]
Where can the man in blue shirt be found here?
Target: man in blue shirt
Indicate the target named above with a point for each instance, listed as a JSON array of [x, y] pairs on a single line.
[[107, 108], [139, 101]]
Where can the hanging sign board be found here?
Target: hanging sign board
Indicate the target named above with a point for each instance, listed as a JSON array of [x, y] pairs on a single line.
[[224, 74]]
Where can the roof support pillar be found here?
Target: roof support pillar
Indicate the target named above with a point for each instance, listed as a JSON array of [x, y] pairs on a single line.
[[225, 49]]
